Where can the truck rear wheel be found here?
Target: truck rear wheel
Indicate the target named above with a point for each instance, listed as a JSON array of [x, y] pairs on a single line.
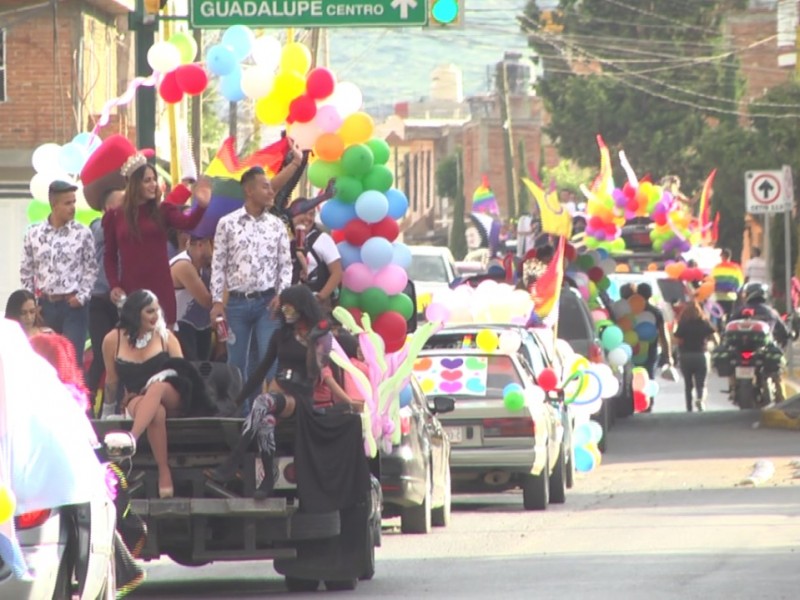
[[295, 584], [341, 585]]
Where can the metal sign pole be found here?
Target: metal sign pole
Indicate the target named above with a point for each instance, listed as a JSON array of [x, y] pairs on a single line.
[[787, 234]]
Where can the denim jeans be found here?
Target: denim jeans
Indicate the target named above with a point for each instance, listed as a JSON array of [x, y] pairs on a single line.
[[249, 319], [72, 323]]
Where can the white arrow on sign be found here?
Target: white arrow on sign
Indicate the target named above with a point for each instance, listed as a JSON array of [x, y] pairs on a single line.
[[404, 5]]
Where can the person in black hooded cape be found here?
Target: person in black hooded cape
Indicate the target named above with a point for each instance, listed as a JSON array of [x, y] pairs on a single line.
[[331, 467]]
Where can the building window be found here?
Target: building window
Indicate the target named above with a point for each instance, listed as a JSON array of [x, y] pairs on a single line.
[[2, 65]]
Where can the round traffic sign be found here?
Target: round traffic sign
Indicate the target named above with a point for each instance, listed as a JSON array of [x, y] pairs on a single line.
[[766, 189]]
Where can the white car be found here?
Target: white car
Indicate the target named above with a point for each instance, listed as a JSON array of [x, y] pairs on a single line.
[[432, 269]]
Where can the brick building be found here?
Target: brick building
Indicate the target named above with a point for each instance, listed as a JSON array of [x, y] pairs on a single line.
[[60, 61]]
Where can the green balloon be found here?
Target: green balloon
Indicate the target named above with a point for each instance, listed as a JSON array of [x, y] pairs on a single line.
[[374, 301], [186, 46], [379, 178], [357, 160], [38, 211], [380, 150], [585, 262], [348, 188], [348, 298], [514, 401], [321, 172], [402, 303]]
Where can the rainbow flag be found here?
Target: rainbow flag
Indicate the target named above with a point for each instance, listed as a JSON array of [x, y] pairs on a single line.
[[728, 278], [546, 290], [483, 199]]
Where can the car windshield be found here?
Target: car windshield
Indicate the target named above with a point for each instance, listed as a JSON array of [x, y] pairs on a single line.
[[571, 319], [428, 268], [466, 375]]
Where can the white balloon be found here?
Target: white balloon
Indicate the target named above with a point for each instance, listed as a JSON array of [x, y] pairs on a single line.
[[621, 308], [39, 186], [163, 57], [646, 317], [347, 98], [510, 341], [535, 395], [609, 265], [304, 134], [257, 82], [617, 357], [45, 158], [266, 52]]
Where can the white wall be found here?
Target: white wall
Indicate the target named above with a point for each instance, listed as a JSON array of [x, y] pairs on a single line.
[[13, 222]]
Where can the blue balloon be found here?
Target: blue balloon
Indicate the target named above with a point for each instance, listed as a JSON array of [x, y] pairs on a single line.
[[376, 253], [401, 255], [231, 86], [72, 157], [582, 435], [512, 387], [647, 331], [88, 141], [240, 39], [406, 395], [372, 206], [602, 253], [398, 203], [350, 254], [595, 432], [335, 214], [221, 60], [628, 350], [584, 461]]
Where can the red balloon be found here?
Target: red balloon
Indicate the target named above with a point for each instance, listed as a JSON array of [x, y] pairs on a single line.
[[640, 401], [192, 79], [595, 222], [303, 109], [660, 219], [392, 328], [320, 83], [596, 274], [570, 252], [169, 89], [629, 191], [547, 380], [337, 235], [632, 205], [386, 228], [357, 232], [610, 230]]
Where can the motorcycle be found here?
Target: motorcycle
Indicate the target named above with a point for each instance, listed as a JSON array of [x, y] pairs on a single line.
[[752, 361]]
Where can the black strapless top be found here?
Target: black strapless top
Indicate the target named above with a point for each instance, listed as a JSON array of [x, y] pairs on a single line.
[[134, 375]]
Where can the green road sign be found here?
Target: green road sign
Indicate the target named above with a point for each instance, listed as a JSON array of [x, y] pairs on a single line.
[[210, 14]]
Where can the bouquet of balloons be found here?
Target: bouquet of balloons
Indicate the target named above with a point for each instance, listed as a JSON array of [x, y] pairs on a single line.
[[489, 302]]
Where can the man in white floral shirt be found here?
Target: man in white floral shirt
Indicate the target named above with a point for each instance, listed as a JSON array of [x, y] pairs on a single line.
[[59, 264], [253, 263]]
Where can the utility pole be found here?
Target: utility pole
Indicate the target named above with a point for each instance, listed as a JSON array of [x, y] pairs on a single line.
[[508, 143], [145, 35], [197, 113]]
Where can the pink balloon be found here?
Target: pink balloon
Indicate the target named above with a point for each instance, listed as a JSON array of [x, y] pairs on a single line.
[[437, 313], [392, 279], [328, 118], [357, 277]]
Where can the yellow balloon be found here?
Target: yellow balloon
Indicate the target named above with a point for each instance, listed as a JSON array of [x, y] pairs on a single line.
[[487, 340], [272, 110], [289, 84], [356, 129], [8, 504], [296, 57]]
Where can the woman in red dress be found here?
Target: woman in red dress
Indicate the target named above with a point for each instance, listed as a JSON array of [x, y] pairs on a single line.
[[136, 235]]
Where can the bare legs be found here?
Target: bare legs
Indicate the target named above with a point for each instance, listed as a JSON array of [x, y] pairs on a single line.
[[150, 413]]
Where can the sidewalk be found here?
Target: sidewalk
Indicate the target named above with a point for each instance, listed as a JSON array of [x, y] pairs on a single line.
[[787, 414]]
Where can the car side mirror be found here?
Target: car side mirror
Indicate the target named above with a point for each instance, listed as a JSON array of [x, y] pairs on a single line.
[[119, 445], [443, 404]]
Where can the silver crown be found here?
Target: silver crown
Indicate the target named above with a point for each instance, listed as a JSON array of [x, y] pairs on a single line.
[[132, 164]]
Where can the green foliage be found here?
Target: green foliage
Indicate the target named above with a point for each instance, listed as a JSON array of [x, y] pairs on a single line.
[[778, 258], [568, 176], [450, 184]]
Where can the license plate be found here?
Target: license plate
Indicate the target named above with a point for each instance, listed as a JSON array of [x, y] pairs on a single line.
[[745, 372], [454, 434]]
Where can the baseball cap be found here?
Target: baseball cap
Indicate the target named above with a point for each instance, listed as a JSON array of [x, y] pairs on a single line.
[[59, 187]]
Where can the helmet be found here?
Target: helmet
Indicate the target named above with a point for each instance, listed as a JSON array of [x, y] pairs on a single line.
[[755, 291]]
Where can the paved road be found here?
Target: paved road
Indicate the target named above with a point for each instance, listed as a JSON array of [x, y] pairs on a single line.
[[665, 516]]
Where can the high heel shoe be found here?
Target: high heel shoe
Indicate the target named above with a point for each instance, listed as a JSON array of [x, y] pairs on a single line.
[[166, 492]]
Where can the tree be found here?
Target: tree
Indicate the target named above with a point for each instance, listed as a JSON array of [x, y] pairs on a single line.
[[450, 184], [568, 176]]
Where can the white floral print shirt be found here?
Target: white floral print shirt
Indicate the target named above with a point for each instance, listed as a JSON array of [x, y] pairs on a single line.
[[251, 254], [59, 261]]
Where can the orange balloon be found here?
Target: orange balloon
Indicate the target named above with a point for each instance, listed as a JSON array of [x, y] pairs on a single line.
[[623, 268], [637, 303], [329, 147], [675, 269], [652, 267], [625, 323]]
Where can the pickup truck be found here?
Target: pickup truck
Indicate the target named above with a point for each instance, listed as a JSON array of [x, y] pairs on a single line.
[[207, 522]]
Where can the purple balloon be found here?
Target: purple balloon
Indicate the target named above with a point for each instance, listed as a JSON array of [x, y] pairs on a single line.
[[618, 195]]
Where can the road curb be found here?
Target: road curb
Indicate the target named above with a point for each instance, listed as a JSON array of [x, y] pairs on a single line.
[[785, 415]]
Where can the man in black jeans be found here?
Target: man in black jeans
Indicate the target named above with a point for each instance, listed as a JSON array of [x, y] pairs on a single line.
[[661, 343]]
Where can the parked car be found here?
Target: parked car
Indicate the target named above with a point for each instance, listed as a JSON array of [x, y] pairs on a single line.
[[576, 326], [415, 474], [536, 349], [432, 269], [492, 448]]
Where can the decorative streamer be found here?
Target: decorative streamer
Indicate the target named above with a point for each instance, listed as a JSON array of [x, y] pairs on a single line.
[[623, 160], [125, 98]]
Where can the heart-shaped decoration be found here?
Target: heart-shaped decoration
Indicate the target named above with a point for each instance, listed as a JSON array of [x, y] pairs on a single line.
[[423, 364], [475, 385], [476, 364], [427, 385], [450, 387], [452, 375], [452, 363]]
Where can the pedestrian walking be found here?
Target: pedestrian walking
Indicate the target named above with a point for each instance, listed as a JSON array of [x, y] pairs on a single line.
[[253, 263], [659, 352], [136, 235], [756, 269], [103, 313], [58, 262], [692, 335], [191, 276]]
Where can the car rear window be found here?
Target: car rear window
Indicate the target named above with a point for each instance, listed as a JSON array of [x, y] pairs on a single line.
[[673, 290], [428, 268], [466, 375], [572, 323]]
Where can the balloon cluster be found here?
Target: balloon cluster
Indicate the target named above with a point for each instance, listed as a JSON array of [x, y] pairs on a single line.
[[56, 162], [672, 227], [173, 60], [585, 438], [590, 271], [631, 336], [644, 388], [489, 302], [605, 218]]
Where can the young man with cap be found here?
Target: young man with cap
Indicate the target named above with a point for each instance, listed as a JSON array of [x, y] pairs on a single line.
[[58, 261], [253, 263]]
